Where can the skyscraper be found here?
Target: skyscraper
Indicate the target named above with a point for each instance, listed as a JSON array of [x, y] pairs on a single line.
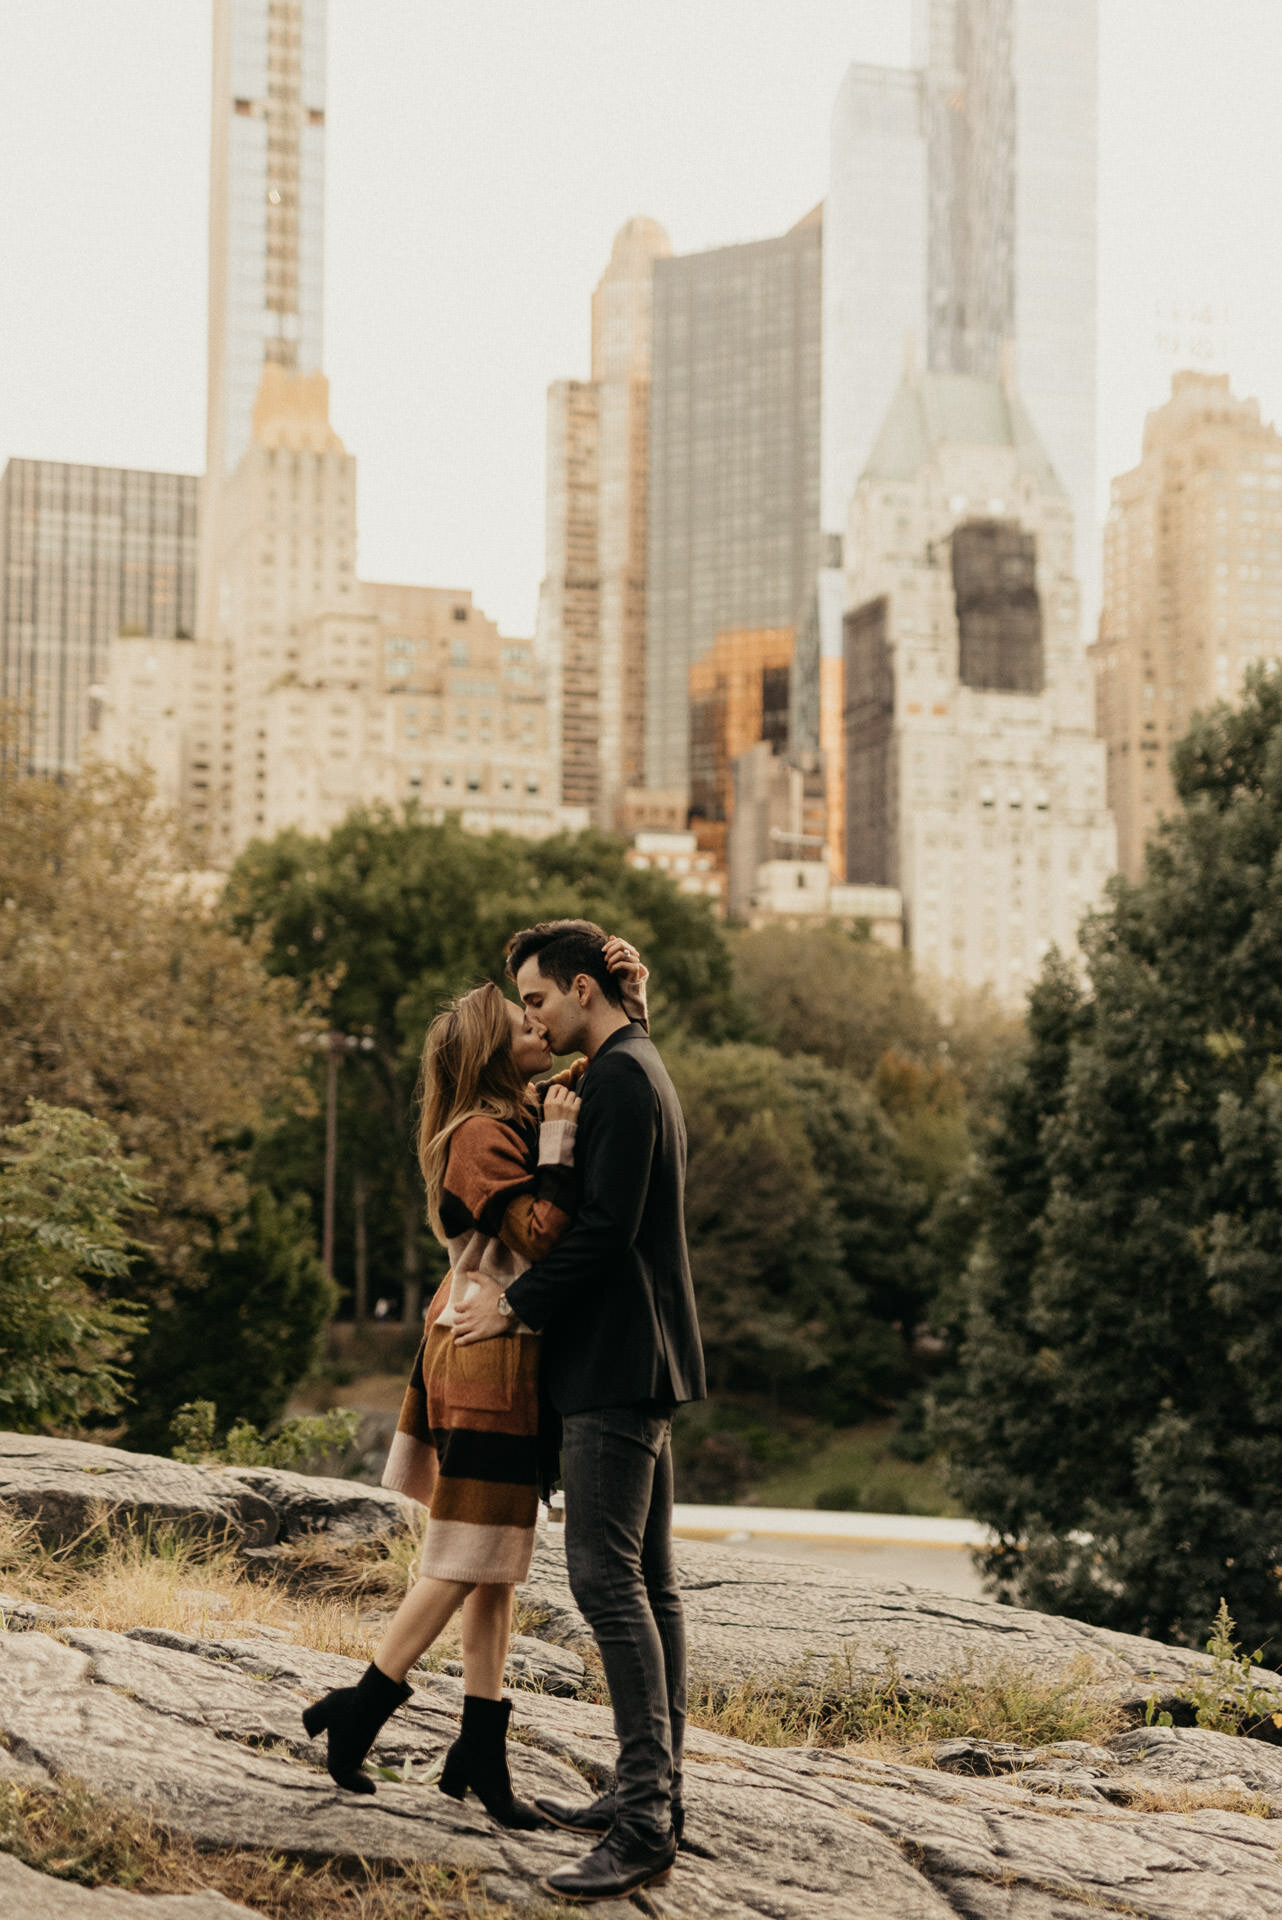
[[961, 225], [322, 692], [734, 464], [974, 782], [266, 226], [592, 604], [1192, 589], [86, 553]]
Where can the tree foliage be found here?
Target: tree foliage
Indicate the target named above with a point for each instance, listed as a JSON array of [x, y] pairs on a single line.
[[1116, 1417], [247, 1333], [65, 1192], [398, 915], [123, 996], [799, 1223]]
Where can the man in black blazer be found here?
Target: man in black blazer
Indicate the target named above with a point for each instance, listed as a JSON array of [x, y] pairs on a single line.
[[623, 1350]]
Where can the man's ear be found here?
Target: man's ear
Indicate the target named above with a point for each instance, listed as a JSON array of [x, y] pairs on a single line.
[[583, 988]]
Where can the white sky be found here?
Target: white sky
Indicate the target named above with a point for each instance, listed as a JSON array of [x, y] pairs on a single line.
[[480, 160]]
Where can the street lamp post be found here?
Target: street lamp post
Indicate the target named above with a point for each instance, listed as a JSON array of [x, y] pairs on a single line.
[[335, 1045]]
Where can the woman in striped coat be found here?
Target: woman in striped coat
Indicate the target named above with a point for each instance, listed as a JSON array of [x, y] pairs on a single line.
[[496, 1155]]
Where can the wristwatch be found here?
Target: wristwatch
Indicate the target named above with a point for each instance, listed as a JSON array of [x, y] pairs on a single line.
[[504, 1306]]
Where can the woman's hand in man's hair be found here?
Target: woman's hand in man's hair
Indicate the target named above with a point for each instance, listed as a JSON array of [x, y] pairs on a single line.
[[620, 957]]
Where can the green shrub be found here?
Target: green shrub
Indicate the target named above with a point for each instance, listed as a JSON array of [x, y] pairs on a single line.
[[300, 1444]]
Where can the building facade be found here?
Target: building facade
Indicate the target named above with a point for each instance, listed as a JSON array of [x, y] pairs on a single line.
[[739, 695], [86, 554], [734, 464], [960, 230], [974, 783], [1192, 589], [592, 617], [266, 226], [324, 692]]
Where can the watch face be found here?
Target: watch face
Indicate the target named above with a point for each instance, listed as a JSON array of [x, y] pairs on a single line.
[[504, 1304]]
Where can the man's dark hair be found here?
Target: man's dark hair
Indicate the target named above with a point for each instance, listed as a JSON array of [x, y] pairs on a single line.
[[563, 949]]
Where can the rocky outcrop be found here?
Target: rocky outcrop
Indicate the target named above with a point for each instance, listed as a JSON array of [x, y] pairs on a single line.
[[64, 1485], [27, 1895], [747, 1617], [773, 1619], [206, 1735]]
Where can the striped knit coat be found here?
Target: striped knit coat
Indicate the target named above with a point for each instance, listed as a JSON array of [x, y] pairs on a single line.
[[467, 1441]]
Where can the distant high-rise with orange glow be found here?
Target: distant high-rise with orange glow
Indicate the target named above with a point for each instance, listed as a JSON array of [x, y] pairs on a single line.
[[1192, 589]]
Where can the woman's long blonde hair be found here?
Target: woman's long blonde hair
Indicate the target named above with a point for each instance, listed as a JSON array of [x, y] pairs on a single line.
[[467, 1069]]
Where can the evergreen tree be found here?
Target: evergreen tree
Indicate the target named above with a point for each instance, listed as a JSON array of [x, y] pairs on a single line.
[[1116, 1416]]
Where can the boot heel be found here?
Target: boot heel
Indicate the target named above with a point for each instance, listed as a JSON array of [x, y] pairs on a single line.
[[453, 1778], [316, 1717]]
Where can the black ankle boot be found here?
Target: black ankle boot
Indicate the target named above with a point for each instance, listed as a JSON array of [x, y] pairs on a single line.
[[478, 1759], [353, 1716]]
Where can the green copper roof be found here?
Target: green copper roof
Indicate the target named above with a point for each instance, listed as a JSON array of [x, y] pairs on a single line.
[[931, 410]]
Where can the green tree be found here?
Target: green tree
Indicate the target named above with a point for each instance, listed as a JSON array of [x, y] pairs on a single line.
[[123, 995], [1116, 1416], [65, 1191], [840, 996], [247, 1333], [397, 915], [799, 1227]]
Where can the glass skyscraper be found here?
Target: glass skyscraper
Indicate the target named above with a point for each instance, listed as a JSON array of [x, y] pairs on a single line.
[[733, 536], [86, 554], [266, 223], [960, 227]]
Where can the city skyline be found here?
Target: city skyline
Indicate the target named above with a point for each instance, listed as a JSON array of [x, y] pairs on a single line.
[[1186, 156]]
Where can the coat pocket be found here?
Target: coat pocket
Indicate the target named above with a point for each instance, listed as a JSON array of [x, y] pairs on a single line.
[[483, 1377]]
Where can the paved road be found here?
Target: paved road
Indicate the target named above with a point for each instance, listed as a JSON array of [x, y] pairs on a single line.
[[946, 1569]]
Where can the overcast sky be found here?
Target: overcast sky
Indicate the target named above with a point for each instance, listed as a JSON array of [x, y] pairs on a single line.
[[480, 160]]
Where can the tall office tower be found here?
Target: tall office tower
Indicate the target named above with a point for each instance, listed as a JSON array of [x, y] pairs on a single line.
[[1192, 589], [266, 227], [324, 692], [86, 553], [961, 226], [734, 464], [974, 781], [592, 604]]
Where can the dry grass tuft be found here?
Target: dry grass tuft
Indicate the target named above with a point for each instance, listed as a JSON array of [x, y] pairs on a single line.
[[329, 1596], [1178, 1799], [834, 1707], [73, 1834]]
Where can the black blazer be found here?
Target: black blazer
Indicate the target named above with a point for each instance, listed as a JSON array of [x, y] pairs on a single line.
[[614, 1296]]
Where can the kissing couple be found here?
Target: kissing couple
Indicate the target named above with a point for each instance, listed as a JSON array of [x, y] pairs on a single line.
[[568, 1304]]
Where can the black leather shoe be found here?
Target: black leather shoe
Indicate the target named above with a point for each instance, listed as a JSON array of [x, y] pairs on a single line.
[[620, 1864], [597, 1816]]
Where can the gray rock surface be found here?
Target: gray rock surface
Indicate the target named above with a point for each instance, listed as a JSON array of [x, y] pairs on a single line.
[[27, 1895], [63, 1485], [206, 1734], [776, 1619]]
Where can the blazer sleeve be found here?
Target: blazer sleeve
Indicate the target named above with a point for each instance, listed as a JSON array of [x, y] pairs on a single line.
[[618, 1134]]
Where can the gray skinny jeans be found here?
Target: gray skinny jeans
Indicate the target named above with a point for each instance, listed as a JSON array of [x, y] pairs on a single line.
[[616, 1466]]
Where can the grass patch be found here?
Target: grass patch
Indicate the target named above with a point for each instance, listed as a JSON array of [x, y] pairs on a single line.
[[835, 1708], [332, 1597], [72, 1834], [856, 1470]]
